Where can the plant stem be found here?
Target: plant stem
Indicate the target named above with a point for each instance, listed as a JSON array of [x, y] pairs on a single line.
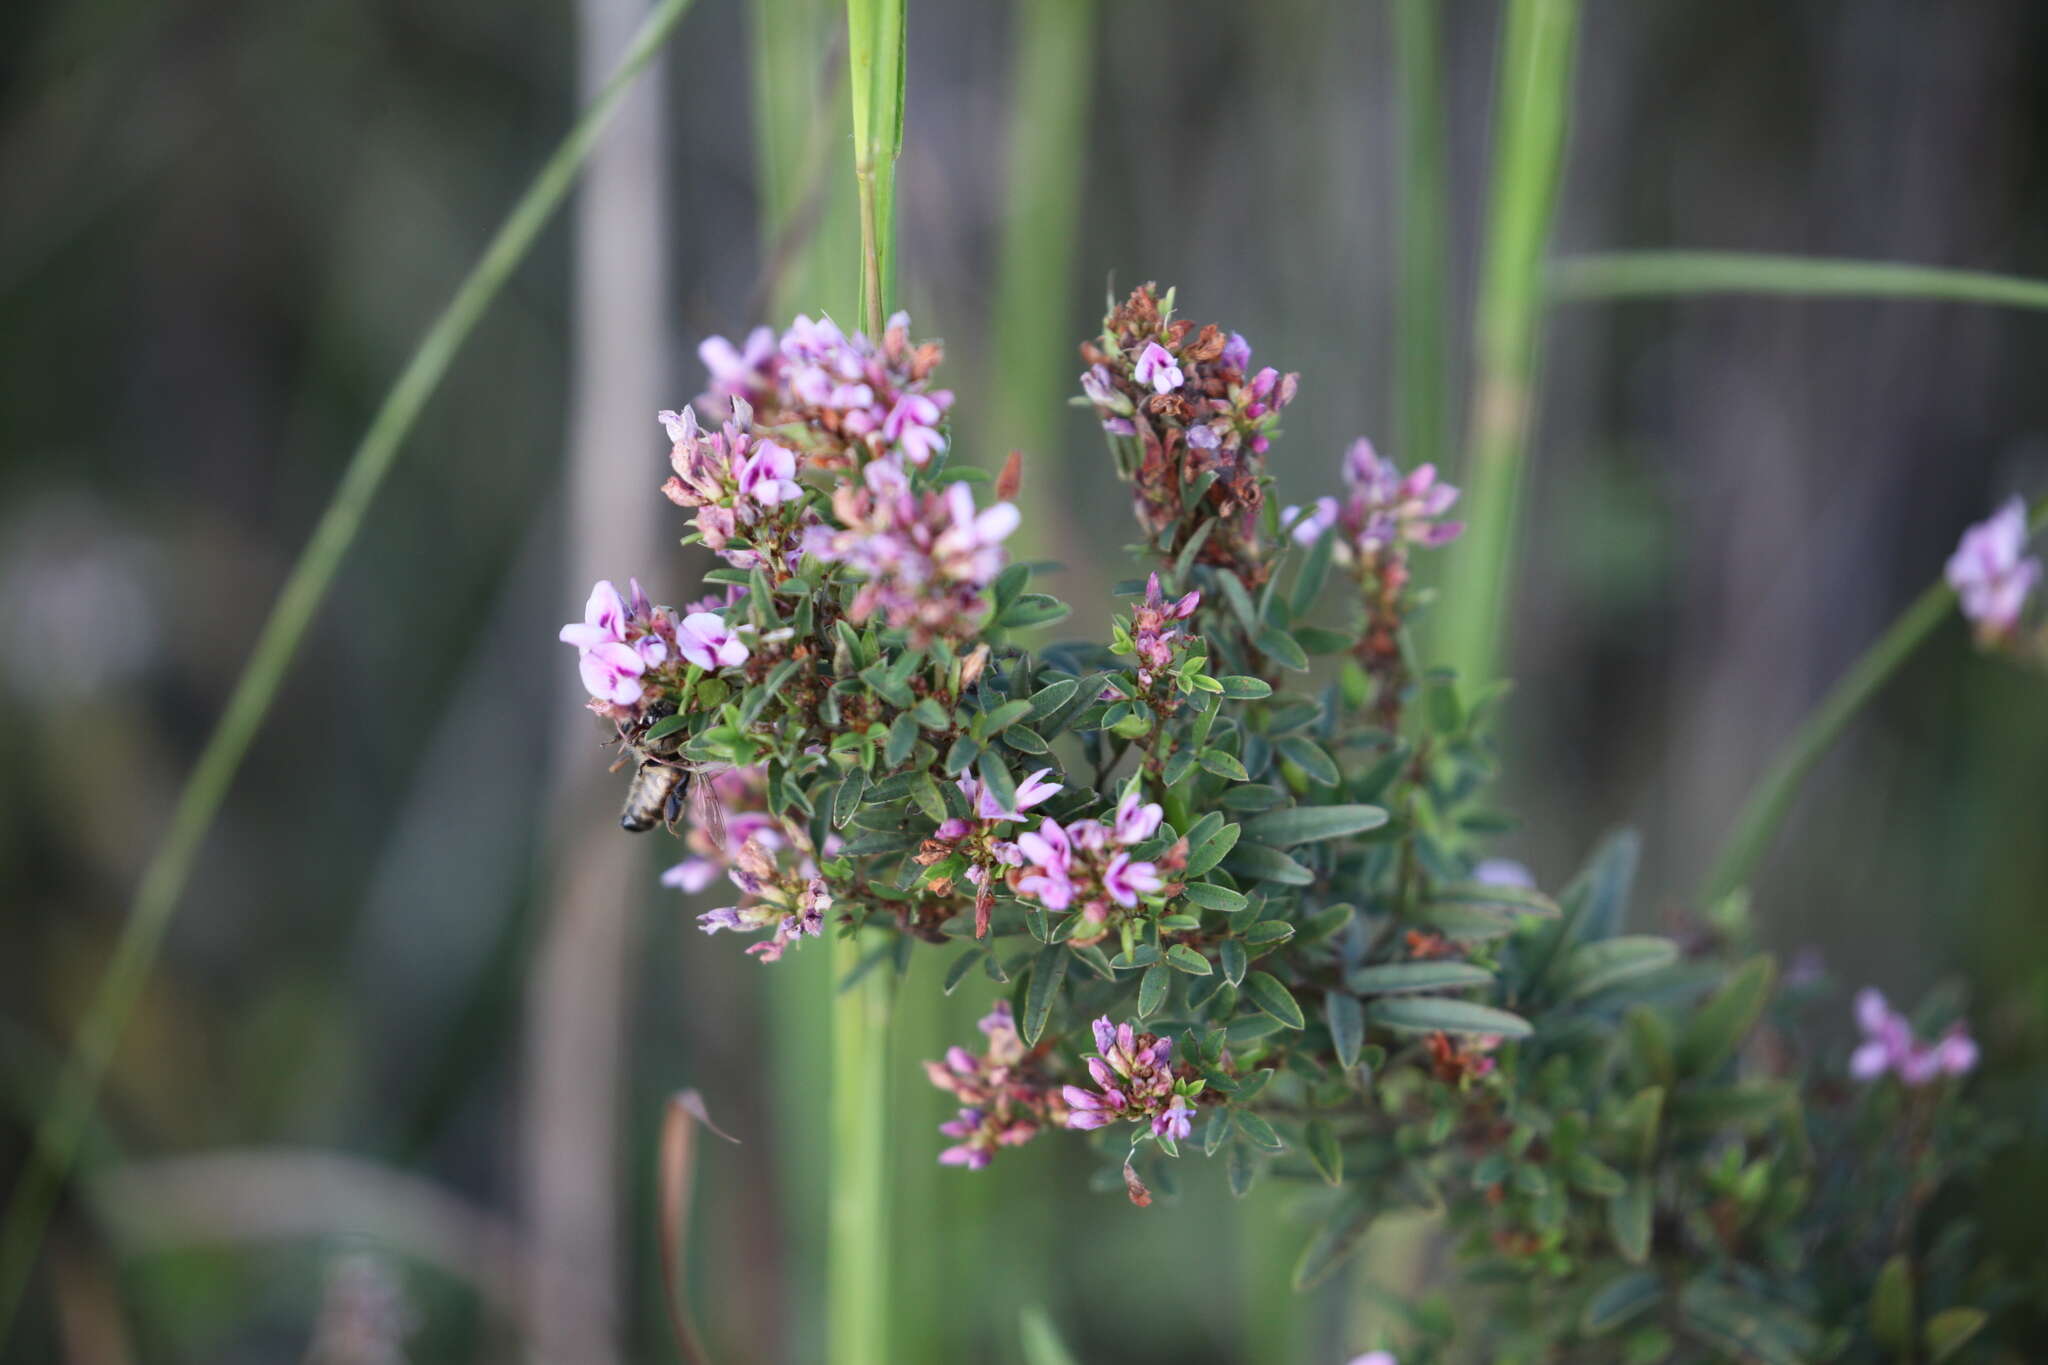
[[858, 1288], [1771, 798], [1533, 107], [1420, 391], [1655, 274], [163, 880], [857, 1281]]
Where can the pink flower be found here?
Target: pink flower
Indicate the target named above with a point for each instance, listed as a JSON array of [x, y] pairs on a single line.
[[604, 619], [1156, 366], [1033, 790], [1307, 527], [768, 476], [708, 642], [733, 370], [1135, 823], [612, 672], [1374, 1358], [913, 427], [1889, 1046], [1126, 880], [1989, 572]]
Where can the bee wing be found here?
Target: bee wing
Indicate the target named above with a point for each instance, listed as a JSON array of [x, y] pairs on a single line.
[[706, 810]]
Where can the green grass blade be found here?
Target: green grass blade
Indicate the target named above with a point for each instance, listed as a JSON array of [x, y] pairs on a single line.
[[1660, 274], [1033, 356], [1764, 809], [163, 880], [1530, 120], [1422, 305], [857, 1263]]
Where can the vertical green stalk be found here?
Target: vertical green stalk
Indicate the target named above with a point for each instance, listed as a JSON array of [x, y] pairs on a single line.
[[163, 881], [857, 1282], [1421, 391], [1033, 363], [1533, 107]]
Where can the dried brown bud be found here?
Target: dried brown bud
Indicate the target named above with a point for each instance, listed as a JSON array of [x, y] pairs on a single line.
[[1011, 480]]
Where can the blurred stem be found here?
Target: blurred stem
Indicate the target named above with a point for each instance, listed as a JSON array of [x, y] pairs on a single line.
[[1421, 307], [1033, 363], [57, 1138], [1658, 274], [1529, 134], [1771, 798], [874, 47], [857, 1281]]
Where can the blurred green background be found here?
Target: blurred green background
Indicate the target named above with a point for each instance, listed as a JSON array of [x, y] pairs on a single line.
[[422, 1003]]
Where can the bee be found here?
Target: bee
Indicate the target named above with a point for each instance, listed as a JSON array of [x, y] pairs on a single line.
[[655, 796]]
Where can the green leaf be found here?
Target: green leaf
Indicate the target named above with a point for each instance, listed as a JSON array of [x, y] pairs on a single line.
[[902, 739], [1947, 1331], [961, 755], [1223, 765], [1315, 569], [1210, 896], [1434, 1014], [1593, 1176], [1052, 697], [1183, 958], [1152, 989], [1623, 1298], [1004, 716], [1891, 1305], [1746, 1326], [1638, 1125], [1322, 640], [1277, 645], [1305, 755], [1275, 999], [1628, 1221], [1306, 824], [1519, 900], [1749, 1106], [1258, 1130], [1718, 1027], [1335, 1242], [1261, 863], [1239, 687], [1466, 923], [1230, 954], [1650, 1057], [1026, 740], [1393, 978], [1047, 972], [1446, 715], [1346, 1018], [1268, 932], [668, 725], [1032, 609], [1240, 601], [1041, 1343], [1609, 962], [995, 775], [959, 968], [846, 800], [1242, 1172], [1323, 1151], [1203, 857]]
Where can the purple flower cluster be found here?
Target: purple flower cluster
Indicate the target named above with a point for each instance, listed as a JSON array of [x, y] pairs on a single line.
[[1134, 1079], [740, 483], [1889, 1046], [846, 399], [1003, 1101], [1992, 574], [1384, 510], [621, 646], [1087, 865], [792, 903], [1152, 635], [926, 559], [742, 797]]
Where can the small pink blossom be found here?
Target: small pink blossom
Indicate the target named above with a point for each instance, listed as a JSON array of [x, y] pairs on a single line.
[[768, 475], [708, 642], [1157, 367], [1889, 1046], [1991, 573]]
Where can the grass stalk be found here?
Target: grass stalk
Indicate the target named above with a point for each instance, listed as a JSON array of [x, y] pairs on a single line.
[[1765, 808], [170, 866], [857, 1280], [1421, 398], [1529, 134], [1660, 274]]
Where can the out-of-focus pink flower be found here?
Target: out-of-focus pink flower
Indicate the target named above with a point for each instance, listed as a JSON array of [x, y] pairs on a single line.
[[1889, 1046], [708, 642], [1374, 1358], [1307, 527], [768, 476], [1503, 872], [1991, 572], [1135, 822]]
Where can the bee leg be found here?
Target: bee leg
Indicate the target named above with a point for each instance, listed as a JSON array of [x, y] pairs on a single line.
[[672, 809]]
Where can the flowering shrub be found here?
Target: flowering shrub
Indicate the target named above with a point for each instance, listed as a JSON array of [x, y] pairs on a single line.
[[1238, 900]]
